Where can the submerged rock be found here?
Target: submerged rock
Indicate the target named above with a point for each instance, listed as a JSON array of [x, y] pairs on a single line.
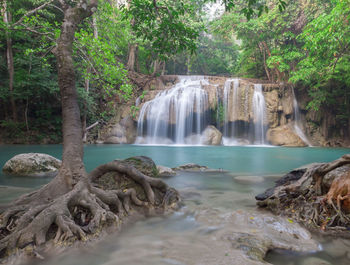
[[248, 179], [315, 261], [32, 165], [165, 171], [191, 167]]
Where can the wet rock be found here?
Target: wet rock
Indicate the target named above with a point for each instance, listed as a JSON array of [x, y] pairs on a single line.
[[252, 246], [315, 261], [249, 179], [165, 171], [32, 165], [211, 136], [123, 132], [287, 179], [144, 164], [191, 167], [336, 248], [284, 136]]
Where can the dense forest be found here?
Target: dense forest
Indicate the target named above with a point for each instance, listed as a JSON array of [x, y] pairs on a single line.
[[306, 43]]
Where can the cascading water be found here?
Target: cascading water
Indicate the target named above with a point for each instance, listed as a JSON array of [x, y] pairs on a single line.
[[297, 121], [177, 115], [259, 112], [230, 106]]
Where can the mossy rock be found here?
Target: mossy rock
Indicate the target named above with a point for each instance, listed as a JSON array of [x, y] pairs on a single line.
[[144, 164], [118, 181]]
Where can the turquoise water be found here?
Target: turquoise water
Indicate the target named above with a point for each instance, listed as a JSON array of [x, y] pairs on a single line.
[[237, 159], [143, 242]]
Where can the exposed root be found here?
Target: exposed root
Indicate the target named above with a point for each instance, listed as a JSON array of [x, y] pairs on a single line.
[[82, 212], [311, 201]]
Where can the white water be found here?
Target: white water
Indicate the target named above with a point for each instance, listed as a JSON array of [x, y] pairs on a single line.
[[259, 112], [297, 121], [229, 129], [175, 114]]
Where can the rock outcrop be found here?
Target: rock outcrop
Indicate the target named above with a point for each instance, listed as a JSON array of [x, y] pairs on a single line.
[[211, 136], [284, 136], [279, 112], [32, 165]]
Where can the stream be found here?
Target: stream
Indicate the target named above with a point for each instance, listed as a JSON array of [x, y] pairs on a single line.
[[214, 204]]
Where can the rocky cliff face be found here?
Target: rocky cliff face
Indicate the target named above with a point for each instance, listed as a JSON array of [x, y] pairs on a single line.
[[279, 118]]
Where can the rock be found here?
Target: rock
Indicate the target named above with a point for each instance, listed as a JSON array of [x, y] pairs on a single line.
[[130, 130], [249, 179], [336, 248], [284, 136], [144, 164], [330, 176], [115, 140], [287, 179], [32, 165], [315, 261], [165, 171], [191, 167], [123, 132], [211, 136]]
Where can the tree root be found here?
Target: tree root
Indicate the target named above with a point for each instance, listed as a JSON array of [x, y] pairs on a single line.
[[309, 201], [81, 212]]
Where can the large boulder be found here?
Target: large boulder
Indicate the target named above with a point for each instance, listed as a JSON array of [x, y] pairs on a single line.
[[211, 136], [284, 136], [32, 165]]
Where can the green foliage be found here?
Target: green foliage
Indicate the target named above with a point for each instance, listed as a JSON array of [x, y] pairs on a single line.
[[326, 57]]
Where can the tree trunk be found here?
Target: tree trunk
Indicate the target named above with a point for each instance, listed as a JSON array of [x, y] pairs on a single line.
[[155, 67], [87, 83], [9, 59], [70, 205], [262, 50], [72, 168], [132, 57]]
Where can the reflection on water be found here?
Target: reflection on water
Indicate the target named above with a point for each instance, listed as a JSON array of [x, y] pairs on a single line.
[[182, 238]]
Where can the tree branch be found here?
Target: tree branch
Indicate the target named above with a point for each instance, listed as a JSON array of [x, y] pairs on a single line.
[[31, 12]]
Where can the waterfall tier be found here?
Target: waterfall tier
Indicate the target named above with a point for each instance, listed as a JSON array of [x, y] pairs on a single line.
[[212, 110], [177, 115]]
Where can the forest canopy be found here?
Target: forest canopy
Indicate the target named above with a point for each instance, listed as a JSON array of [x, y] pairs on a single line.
[[302, 42]]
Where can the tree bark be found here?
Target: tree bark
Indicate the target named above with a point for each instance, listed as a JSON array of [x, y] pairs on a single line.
[[72, 169], [9, 59], [132, 57]]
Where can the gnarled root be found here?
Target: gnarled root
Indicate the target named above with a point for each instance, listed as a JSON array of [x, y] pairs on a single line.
[[83, 211], [314, 200]]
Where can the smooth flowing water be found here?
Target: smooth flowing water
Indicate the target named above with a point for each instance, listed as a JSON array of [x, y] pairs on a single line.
[[175, 114], [183, 237], [298, 126], [259, 111]]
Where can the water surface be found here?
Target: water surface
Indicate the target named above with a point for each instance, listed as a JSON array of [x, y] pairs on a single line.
[[180, 238]]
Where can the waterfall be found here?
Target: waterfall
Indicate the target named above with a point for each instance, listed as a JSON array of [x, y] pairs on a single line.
[[230, 109], [259, 112], [297, 121], [177, 115]]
